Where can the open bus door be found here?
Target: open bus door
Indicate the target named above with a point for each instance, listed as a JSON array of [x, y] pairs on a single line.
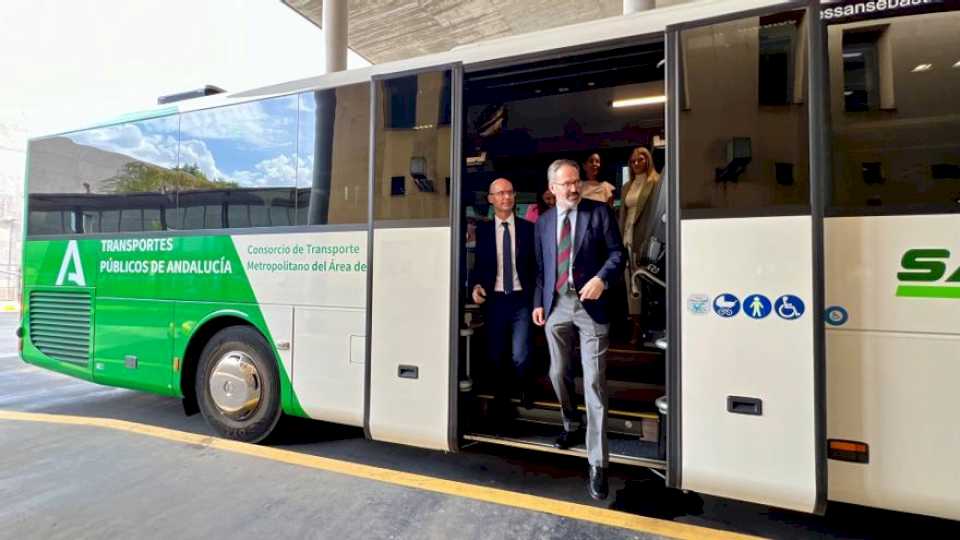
[[411, 369], [746, 390]]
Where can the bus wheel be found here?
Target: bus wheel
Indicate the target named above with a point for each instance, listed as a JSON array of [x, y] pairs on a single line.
[[238, 388]]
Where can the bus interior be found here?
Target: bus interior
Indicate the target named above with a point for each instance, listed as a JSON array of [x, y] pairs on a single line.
[[517, 120]]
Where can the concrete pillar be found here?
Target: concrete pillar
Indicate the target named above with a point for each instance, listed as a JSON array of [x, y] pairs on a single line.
[[636, 6], [335, 34], [334, 28]]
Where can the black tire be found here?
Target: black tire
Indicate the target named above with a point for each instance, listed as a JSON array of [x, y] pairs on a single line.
[[256, 424]]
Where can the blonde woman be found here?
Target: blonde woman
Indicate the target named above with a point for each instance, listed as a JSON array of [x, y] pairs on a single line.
[[591, 187], [643, 178]]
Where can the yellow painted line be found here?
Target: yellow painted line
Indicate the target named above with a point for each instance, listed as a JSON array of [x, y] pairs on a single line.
[[582, 512]]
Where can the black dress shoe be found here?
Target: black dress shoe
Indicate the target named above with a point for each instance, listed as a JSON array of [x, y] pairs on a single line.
[[598, 483], [568, 439]]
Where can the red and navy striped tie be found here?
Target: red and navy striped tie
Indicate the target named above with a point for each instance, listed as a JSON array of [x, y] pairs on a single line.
[[564, 250]]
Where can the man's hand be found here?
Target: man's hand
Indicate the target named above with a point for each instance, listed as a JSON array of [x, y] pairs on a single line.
[[538, 316], [592, 290], [479, 295]]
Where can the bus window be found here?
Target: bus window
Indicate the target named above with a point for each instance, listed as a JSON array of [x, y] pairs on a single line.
[[743, 122], [48, 222], [333, 164], [414, 145], [108, 179], [895, 120], [238, 166]]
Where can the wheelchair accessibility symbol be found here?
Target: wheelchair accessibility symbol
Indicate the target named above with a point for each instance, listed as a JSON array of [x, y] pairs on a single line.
[[726, 305], [789, 307]]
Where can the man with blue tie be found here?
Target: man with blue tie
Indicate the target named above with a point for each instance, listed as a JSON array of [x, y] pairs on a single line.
[[504, 278], [579, 253]]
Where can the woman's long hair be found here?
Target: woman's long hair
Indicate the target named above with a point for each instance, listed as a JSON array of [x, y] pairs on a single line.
[[651, 169]]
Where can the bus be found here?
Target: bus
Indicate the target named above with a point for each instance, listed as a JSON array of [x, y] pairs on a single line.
[[305, 248]]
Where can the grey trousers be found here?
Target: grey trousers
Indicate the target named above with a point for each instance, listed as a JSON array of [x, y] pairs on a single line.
[[566, 320]]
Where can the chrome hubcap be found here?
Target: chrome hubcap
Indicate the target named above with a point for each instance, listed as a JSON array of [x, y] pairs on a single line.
[[235, 385]]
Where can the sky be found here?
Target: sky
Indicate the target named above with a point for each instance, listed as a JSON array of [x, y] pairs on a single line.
[[70, 63], [78, 63]]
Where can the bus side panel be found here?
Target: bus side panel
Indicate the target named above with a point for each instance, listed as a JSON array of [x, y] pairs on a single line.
[[764, 455], [322, 275], [134, 344], [52, 268], [148, 296], [330, 354], [893, 359], [410, 337], [897, 393]]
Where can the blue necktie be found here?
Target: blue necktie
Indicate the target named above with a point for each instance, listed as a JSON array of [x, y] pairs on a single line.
[[507, 260]]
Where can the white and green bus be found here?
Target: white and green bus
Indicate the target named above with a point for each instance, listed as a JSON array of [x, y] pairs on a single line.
[[305, 249]]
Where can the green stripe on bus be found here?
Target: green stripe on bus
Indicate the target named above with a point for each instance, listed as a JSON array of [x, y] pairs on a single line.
[[928, 291]]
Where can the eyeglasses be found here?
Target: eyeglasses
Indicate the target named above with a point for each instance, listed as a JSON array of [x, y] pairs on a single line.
[[504, 193], [568, 185]]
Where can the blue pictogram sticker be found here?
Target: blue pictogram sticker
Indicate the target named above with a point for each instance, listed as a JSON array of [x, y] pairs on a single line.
[[836, 316], [726, 305], [698, 304], [789, 307], [756, 306]]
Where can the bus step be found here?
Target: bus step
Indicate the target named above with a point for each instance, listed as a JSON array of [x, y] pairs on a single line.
[[626, 450], [638, 424]]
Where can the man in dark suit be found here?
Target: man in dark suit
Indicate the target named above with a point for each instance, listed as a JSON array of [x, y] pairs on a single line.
[[505, 278], [579, 254]]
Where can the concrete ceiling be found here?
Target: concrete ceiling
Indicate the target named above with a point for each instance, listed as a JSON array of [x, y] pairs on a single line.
[[386, 30]]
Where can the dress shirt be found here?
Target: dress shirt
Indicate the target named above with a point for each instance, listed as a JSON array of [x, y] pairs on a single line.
[[498, 285]]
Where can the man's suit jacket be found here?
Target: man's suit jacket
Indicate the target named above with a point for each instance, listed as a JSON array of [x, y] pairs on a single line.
[[597, 251], [524, 260]]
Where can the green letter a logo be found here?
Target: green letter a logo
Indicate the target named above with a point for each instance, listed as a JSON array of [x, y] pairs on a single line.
[[71, 257]]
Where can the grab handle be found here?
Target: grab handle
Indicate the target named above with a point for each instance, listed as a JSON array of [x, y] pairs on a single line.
[[744, 405]]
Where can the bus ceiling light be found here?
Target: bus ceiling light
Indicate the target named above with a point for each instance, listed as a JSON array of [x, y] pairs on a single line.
[[638, 102], [956, 65], [922, 67]]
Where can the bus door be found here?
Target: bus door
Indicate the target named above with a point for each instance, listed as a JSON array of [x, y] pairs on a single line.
[[745, 385], [414, 179]]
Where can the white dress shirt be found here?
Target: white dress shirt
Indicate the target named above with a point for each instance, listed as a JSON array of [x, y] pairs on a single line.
[[498, 285]]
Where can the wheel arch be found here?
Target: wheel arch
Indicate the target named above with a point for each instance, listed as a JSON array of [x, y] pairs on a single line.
[[200, 335]]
